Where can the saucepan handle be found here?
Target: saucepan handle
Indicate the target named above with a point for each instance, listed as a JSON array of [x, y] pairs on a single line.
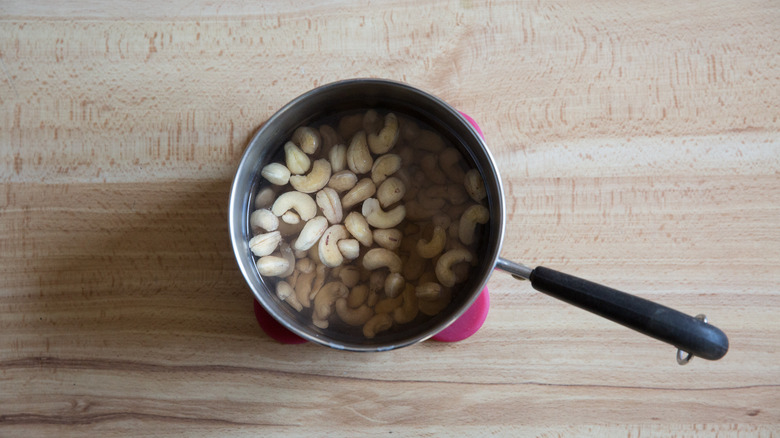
[[687, 333]]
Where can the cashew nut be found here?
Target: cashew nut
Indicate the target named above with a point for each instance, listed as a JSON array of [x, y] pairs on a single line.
[[390, 191], [285, 293], [408, 310], [290, 217], [272, 266], [386, 138], [358, 156], [287, 254], [303, 286], [338, 157], [353, 316], [342, 181], [326, 298], [357, 296], [455, 194], [329, 137], [414, 266], [449, 161], [445, 263], [441, 220], [389, 238], [305, 265], [350, 248], [394, 284], [349, 125], [379, 257], [314, 180], [363, 190], [302, 203], [409, 129], [430, 203], [387, 305], [319, 280], [433, 307], [372, 122], [474, 185], [297, 161], [330, 204], [307, 138], [476, 214], [311, 233], [265, 198], [265, 244], [418, 212], [349, 275], [428, 291], [430, 165], [263, 219], [433, 247], [276, 173], [358, 227], [429, 141], [385, 166], [377, 323], [329, 250], [376, 281], [376, 217]]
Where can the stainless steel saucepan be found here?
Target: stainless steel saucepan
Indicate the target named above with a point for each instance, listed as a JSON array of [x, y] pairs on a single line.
[[693, 336]]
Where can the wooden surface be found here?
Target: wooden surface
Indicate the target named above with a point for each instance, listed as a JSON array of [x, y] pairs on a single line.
[[638, 143]]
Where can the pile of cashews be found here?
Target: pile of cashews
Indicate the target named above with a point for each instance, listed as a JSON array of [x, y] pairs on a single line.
[[373, 232]]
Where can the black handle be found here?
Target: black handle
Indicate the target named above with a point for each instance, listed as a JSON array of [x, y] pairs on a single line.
[[660, 322]]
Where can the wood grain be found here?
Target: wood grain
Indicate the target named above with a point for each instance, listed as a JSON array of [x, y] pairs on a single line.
[[638, 145]]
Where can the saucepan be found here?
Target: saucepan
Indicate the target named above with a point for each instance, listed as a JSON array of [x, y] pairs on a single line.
[[692, 336]]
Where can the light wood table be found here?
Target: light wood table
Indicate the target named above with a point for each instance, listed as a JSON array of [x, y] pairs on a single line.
[[638, 144]]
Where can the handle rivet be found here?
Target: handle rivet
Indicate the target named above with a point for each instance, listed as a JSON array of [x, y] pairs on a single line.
[[683, 357]]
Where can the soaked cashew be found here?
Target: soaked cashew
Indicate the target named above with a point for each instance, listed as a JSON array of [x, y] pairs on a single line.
[[445, 263], [387, 137], [357, 295], [330, 204], [287, 254], [350, 248], [377, 323], [363, 190], [389, 238], [263, 219], [379, 258], [414, 266], [376, 281], [449, 161], [476, 214], [303, 285], [358, 227], [359, 158], [430, 203], [349, 125], [454, 194], [265, 244], [430, 165], [338, 157], [429, 141], [311, 233], [319, 279], [265, 198], [434, 247], [307, 138], [372, 122], [326, 298], [290, 217], [342, 181], [441, 220], [272, 266], [394, 284], [409, 129], [376, 217], [433, 307], [353, 316], [349, 275], [314, 180], [297, 160], [390, 191], [285, 293], [302, 203], [387, 305], [409, 309], [330, 254], [474, 185], [329, 137], [418, 212], [276, 173], [428, 291], [385, 166]]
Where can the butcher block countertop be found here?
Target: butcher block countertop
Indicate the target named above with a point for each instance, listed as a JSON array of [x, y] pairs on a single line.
[[638, 145]]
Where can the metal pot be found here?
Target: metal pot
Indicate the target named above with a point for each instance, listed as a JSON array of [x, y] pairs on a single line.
[[689, 334]]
